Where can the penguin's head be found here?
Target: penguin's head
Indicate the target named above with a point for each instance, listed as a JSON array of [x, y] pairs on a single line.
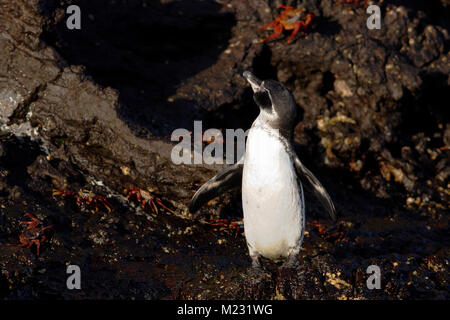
[[277, 105]]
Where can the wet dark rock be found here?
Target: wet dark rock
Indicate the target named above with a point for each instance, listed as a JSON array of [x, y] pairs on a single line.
[[258, 284], [93, 109], [288, 280]]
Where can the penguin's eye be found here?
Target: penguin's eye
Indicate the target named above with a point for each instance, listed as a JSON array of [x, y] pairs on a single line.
[[262, 99]]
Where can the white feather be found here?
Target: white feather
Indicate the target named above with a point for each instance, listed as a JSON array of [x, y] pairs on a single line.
[[272, 199]]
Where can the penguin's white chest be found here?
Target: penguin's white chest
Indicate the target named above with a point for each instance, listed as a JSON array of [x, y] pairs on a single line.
[[272, 198]]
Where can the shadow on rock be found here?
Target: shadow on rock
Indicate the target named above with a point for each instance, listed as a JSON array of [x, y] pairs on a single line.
[[146, 51]]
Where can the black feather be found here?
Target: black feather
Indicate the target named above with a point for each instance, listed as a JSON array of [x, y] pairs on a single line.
[[314, 185], [228, 178]]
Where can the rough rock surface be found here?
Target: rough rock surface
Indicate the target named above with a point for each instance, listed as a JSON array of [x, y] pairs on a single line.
[[94, 109]]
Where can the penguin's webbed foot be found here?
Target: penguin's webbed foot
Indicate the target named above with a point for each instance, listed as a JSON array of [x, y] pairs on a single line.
[[289, 279], [291, 262], [259, 283], [258, 274]]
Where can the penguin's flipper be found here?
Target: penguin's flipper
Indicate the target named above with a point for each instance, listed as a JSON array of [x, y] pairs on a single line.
[[315, 186], [228, 178]]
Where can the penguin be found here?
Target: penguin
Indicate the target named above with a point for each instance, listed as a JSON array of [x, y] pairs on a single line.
[[271, 177]]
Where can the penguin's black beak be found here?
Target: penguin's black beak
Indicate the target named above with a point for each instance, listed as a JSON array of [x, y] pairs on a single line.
[[260, 93], [254, 81]]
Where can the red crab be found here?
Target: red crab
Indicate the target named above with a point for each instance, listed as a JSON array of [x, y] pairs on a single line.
[[85, 197], [145, 198], [33, 233], [289, 19], [226, 224], [336, 236], [353, 2]]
